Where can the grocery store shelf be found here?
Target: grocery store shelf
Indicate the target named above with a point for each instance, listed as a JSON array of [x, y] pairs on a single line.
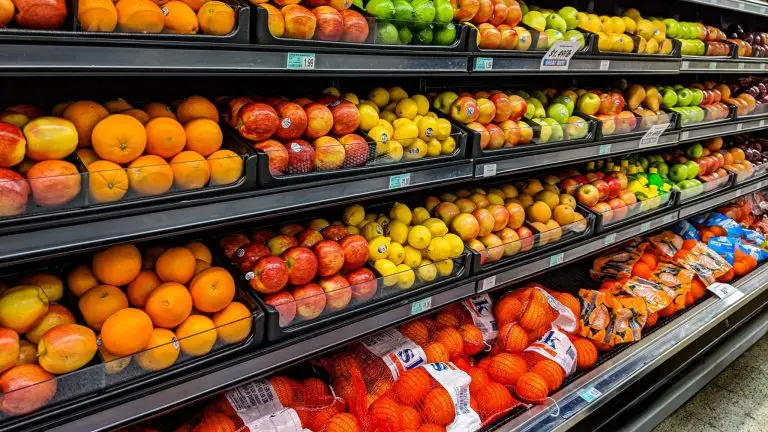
[[578, 65], [742, 65], [164, 220], [595, 388], [723, 128], [752, 7], [115, 412], [721, 198]]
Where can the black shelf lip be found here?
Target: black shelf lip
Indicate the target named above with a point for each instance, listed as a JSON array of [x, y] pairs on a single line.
[[110, 414], [583, 64], [572, 403], [88, 232], [728, 127]]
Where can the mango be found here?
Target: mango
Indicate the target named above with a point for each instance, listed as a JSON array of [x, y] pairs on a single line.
[[9, 348], [26, 389], [56, 315], [66, 348], [52, 286], [21, 307], [27, 353], [113, 364]]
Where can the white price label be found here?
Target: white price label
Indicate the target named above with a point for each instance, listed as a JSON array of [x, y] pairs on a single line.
[[669, 218], [742, 6], [590, 394], [559, 56], [645, 226], [300, 61], [420, 306], [763, 66], [728, 293], [685, 65], [712, 65], [399, 180], [483, 63], [605, 64], [489, 170], [488, 283], [684, 135], [556, 259], [762, 123], [604, 149], [739, 126], [740, 66], [652, 135], [609, 239]]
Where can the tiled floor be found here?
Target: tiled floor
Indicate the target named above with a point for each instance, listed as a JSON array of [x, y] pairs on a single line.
[[735, 401]]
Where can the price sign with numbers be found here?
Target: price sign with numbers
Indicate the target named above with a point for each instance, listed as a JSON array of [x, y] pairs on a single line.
[[420, 306], [488, 283], [685, 65], [556, 259], [559, 56], [399, 180], [652, 135], [645, 226], [713, 65], [684, 135], [604, 149], [605, 64], [483, 64], [739, 126], [300, 61], [489, 170], [609, 239], [728, 293]]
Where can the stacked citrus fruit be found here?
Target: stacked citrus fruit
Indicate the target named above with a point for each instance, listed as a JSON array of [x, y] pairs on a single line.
[[158, 305]]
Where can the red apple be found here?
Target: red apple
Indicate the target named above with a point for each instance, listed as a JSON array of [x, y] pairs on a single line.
[[334, 232], [274, 101], [526, 238], [355, 150], [308, 237], [514, 13], [302, 265], [496, 136], [12, 145], [330, 257], [276, 154], [619, 208], [511, 130], [464, 10], [301, 156], [503, 106], [363, 283], [234, 108], [614, 187], [509, 38], [310, 301], [478, 246], [605, 210], [262, 236], [246, 256], [499, 15], [622, 178], [40, 14], [484, 12], [703, 166], [230, 244], [485, 220], [464, 110], [519, 107], [300, 23], [14, 193], [338, 293], [319, 120], [285, 305], [628, 197], [346, 118], [355, 251], [355, 27], [269, 275], [329, 153], [588, 195], [490, 36], [26, 388], [257, 121], [569, 186], [526, 132], [330, 23], [602, 188], [281, 243], [500, 216], [293, 120], [485, 137]]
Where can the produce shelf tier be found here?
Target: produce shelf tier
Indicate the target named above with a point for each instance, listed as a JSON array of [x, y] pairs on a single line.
[[577, 66], [750, 7], [742, 65]]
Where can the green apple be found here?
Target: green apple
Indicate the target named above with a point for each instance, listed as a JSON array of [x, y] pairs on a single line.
[[693, 169], [569, 15], [557, 129], [556, 22], [553, 36], [673, 27], [445, 34], [558, 112], [567, 101], [387, 34], [534, 20], [698, 96], [684, 97], [678, 173], [669, 99], [539, 112], [661, 167], [540, 95], [700, 47], [545, 131], [697, 114], [523, 7], [575, 36], [384, 10], [405, 35], [443, 12]]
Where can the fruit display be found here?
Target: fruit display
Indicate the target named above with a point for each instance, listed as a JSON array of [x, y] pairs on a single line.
[[418, 22], [345, 132], [697, 39], [553, 26], [748, 159], [751, 96], [630, 33], [636, 110], [751, 44], [699, 103]]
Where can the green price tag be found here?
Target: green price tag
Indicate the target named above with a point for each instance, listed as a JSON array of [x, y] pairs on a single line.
[[420, 306], [556, 259], [590, 394], [645, 226], [713, 65], [483, 63], [604, 149], [399, 180], [300, 61]]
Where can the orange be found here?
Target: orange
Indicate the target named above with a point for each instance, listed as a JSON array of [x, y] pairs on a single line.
[[531, 388], [195, 5], [571, 302], [552, 373], [165, 136], [86, 155], [412, 386], [119, 138], [479, 378], [216, 18], [538, 212], [179, 18], [126, 332], [216, 423], [80, 280], [513, 338], [385, 414], [493, 399], [117, 105], [6, 12], [117, 265], [651, 260], [411, 418], [451, 339], [641, 269], [315, 390], [436, 352], [201, 265], [150, 175], [99, 303], [150, 256], [212, 289], [284, 389], [506, 368], [381, 386], [507, 309], [195, 107], [226, 167], [190, 170], [651, 320], [169, 305], [447, 317], [203, 136], [343, 422], [473, 339], [197, 335], [161, 351], [586, 353], [137, 114], [139, 288], [97, 15], [176, 264], [107, 181], [233, 323], [416, 331], [156, 109], [534, 316], [438, 407], [85, 114], [139, 16]]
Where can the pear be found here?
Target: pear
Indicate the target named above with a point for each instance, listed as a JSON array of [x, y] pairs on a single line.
[[636, 95], [652, 99]]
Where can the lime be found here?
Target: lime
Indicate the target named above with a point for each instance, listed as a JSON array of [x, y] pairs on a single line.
[[382, 9], [405, 35], [443, 11], [403, 12], [424, 13], [445, 34], [387, 34]]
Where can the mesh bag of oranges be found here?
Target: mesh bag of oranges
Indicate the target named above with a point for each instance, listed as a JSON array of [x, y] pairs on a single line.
[[275, 404], [618, 263]]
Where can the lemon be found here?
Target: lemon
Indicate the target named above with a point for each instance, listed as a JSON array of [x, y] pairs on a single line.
[[399, 122], [351, 97], [436, 227], [388, 269], [630, 26], [406, 133], [378, 248], [422, 104], [371, 104], [397, 93], [434, 148], [382, 148], [401, 212], [396, 252], [352, 229], [617, 42], [448, 146], [444, 267], [383, 220], [640, 45], [420, 214], [419, 237], [443, 129], [603, 42], [379, 96], [369, 118], [431, 114], [318, 224], [582, 20], [379, 134], [332, 91], [406, 108], [455, 243], [628, 44], [607, 23], [387, 125], [353, 214], [405, 276], [389, 116], [427, 271], [412, 257], [427, 128], [417, 118], [372, 230], [438, 249], [619, 26], [395, 151], [370, 217], [417, 150], [397, 231], [651, 46]]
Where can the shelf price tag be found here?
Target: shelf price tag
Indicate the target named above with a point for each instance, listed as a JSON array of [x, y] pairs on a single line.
[[604, 149], [609, 239], [483, 63], [740, 66], [742, 6], [652, 135], [645, 226], [488, 283], [762, 66], [728, 293], [605, 64], [399, 180], [739, 126], [669, 218], [684, 135], [559, 56], [713, 65], [762, 123], [556, 259], [489, 170], [300, 61], [590, 394], [685, 65], [420, 306]]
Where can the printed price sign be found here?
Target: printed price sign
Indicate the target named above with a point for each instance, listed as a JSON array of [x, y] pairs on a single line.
[[489, 170], [399, 180], [488, 283], [559, 56], [645, 226], [556, 259], [713, 65], [739, 126], [604, 149], [740, 66], [684, 135], [652, 135], [300, 61], [686, 65], [728, 293], [605, 64], [483, 64], [589, 394], [420, 306], [609, 239]]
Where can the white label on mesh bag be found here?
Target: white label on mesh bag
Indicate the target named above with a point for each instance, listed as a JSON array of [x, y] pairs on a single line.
[[481, 310], [398, 352], [456, 381], [556, 346], [285, 420], [257, 398], [565, 319]]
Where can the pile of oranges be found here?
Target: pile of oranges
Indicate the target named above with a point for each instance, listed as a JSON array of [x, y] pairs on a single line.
[[158, 305]]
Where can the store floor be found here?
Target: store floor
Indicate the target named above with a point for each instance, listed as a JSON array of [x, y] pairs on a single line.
[[735, 401]]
